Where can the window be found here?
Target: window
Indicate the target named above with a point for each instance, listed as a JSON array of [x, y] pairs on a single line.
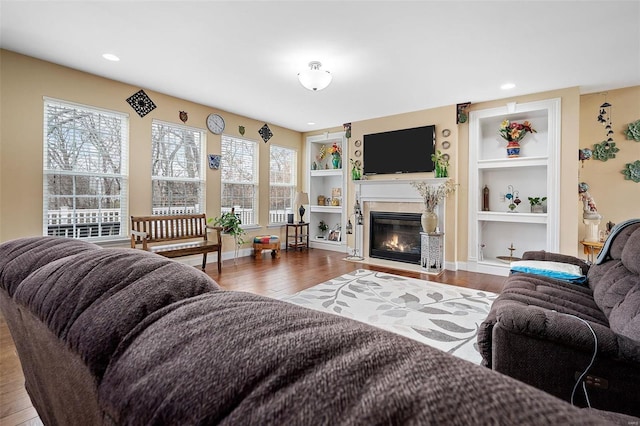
[[177, 164], [239, 170], [85, 171], [282, 182]]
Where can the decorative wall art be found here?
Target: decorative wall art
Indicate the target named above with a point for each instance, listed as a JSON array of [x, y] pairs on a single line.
[[266, 133], [347, 130], [584, 154], [604, 150], [141, 103], [183, 116], [632, 131], [241, 130], [214, 161], [461, 112], [632, 171]]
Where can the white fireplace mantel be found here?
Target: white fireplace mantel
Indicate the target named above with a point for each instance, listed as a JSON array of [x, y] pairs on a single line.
[[391, 191]]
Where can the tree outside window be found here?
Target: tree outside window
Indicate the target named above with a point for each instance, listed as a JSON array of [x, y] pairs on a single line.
[[85, 171], [239, 177], [177, 164], [282, 182]]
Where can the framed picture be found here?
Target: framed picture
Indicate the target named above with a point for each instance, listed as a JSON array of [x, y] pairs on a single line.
[[334, 235]]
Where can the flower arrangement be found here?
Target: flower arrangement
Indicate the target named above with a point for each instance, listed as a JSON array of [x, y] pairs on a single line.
[[335, 149], [514, 132], [322, 153], [433, 194]]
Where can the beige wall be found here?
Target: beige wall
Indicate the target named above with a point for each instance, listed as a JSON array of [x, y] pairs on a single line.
[[456, 221], [616, 199], [24, 81]]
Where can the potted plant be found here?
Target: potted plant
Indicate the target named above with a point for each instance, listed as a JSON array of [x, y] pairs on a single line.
[[230, 223], [323, 228], [536, 204], [441, 163]]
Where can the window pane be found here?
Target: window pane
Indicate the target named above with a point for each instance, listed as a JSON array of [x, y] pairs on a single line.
[[177, 169], [282, 182], [239, 178], [85, 161]]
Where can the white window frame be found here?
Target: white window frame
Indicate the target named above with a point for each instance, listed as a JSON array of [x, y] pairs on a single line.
[[178, 168], [70, 157], [246, 151], [278, 214]]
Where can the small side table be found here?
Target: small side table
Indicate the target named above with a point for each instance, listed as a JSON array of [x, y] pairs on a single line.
[[300, 236], [591, 249], [432, 253]]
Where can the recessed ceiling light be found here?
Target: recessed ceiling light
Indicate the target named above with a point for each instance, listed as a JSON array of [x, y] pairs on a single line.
[[110, 57], [507, 86], [311, 123]]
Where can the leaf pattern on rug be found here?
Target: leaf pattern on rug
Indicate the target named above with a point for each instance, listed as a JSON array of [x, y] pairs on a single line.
[[440, 315]]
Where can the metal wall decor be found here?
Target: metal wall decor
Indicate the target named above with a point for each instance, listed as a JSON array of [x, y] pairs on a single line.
[[632, 131], [214, 161], [265, 133], [183, 116], [604, 150], [347, 130], [241, 130], [632, 171], [141, 103], [446, 145], [461, 112]]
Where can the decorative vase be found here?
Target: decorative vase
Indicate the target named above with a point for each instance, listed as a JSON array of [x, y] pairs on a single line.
[[336, 161], [513, 149], [441, 170], [429, 221], [355, 173]]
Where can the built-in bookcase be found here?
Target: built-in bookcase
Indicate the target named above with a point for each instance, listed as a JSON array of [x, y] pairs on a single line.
[[535, 173]]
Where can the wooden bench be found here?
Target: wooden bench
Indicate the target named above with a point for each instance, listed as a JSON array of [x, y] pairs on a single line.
[[146, 230]]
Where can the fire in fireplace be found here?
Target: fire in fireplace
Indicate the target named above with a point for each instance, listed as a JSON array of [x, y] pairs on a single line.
[[395, 236]]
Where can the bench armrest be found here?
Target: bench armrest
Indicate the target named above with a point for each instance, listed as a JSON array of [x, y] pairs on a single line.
[[143, 236], [218, 230]]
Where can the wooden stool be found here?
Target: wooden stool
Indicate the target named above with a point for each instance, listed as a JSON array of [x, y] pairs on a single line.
[[266, 242]]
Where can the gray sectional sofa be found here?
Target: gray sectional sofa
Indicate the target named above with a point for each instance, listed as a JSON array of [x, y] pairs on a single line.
[[539, 329], [126, 337]]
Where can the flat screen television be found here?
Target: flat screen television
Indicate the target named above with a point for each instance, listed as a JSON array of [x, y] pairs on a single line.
[[399, 151]]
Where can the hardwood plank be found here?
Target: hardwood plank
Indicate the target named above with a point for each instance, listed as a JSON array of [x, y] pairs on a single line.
[[293, 272]]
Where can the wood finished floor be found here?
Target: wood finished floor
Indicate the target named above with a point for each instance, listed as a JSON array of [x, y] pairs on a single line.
[[293, 272]]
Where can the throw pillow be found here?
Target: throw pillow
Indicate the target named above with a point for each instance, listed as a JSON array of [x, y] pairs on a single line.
[[557, 270]]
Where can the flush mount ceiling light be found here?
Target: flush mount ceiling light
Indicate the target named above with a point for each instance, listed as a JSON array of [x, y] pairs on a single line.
[[314, 78], [507, 86], [110, 57]]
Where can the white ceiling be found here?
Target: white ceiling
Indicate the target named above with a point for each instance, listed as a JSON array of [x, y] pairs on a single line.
[[386, 57]]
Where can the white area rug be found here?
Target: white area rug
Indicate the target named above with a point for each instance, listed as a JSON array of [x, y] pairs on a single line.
[[443, 316]]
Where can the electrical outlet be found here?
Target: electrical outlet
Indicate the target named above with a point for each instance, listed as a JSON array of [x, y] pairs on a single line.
[[594, 381]]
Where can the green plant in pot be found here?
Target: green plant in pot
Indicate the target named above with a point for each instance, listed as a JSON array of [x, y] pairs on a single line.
[[441, 164], [536, 204], [230, 224], [323, 228]]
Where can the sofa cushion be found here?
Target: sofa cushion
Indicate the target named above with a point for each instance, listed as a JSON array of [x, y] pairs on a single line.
[[616, 284], [92, 300], [18, 258]]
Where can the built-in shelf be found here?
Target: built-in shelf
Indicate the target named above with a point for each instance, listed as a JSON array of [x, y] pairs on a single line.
[[536, 173], [323, 180]]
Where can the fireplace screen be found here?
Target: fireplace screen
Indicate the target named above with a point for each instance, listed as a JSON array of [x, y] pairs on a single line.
[[395, 236]]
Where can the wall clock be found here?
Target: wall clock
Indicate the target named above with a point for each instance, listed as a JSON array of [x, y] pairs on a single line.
[[215, 123]]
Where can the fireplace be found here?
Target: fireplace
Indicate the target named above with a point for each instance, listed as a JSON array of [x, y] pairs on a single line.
[[395, 236]]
